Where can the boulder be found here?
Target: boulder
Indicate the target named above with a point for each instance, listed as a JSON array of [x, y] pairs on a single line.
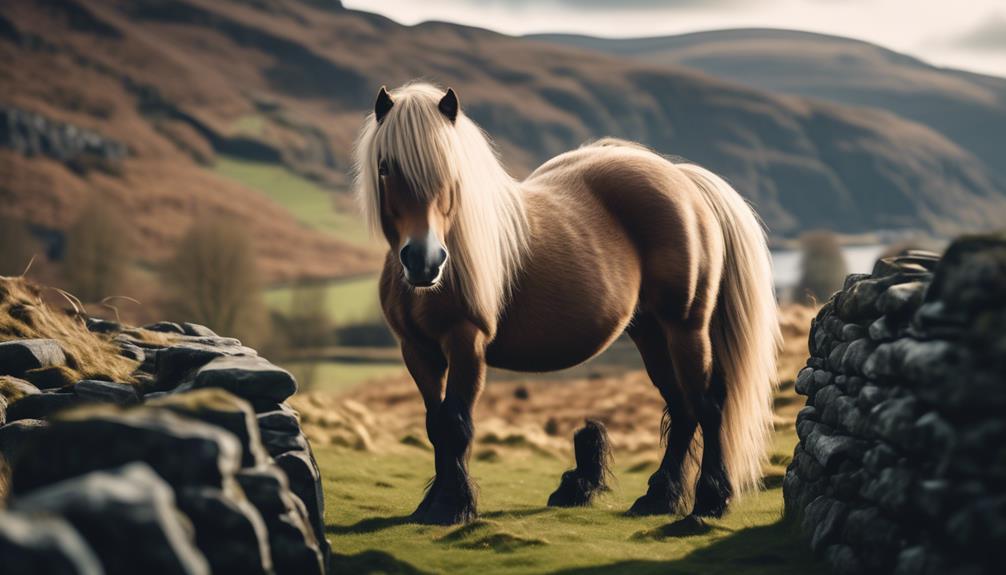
[[128, 517], [283, 418], [247, 377], [15, 436], [304, 477], [280, 442], [185, 452], [43, 405], [291, 538], [229, 530], [165, 327], [132, 351], [197, 330], [106, 392], [37, 545], [98, 325], [223, 409], [19, 356], [178, 362]]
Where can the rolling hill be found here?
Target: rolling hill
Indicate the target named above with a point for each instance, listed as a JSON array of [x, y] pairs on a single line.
[[156, 104], [968, 108]]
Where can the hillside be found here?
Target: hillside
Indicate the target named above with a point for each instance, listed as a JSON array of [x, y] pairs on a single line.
[[968, 108], [149, 102]]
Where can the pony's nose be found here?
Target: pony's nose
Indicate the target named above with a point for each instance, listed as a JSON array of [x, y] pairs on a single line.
[[422, 262], [412, 257], [440, 257]]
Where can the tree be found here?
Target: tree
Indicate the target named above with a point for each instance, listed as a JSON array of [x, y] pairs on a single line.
[[823, 266], [98, 252], [17, 247], [213, 279]]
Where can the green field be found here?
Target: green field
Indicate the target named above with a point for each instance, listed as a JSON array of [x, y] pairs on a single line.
[[341, 376], [306, 200], [346, 301], [368, 496]]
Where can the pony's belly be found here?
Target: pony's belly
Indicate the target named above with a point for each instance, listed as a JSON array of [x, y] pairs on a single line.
[[561, 347]]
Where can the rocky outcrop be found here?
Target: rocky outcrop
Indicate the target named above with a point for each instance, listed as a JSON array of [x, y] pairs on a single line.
[[32, 134], [197, 465], [901, 464]]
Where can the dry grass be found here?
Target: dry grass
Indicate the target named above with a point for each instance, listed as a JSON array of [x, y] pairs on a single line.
[[24, 314], [525, 411]]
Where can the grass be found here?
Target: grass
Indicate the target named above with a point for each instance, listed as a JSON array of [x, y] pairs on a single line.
[[306, 200], [250, 124], [370, 494], [340, 376], [346, 301], [24, 314]]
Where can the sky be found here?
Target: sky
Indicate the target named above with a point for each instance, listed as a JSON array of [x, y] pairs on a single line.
[[966, 34]]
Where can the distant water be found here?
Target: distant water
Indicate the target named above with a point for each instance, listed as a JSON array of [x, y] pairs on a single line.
[[786, 263]]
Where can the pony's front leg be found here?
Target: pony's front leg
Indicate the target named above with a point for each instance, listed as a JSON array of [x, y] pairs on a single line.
[[428, 367], [451, 497]]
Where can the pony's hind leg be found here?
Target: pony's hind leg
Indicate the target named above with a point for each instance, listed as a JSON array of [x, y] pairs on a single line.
[[713, 490], [666, 485]]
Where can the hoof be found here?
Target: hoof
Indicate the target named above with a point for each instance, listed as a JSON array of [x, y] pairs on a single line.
[[442, 515], [573, 491], [711, 498], [662, 497], [651, 505], [443, 506]]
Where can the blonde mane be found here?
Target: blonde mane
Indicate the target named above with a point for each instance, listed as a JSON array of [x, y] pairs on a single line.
[[489, 234]]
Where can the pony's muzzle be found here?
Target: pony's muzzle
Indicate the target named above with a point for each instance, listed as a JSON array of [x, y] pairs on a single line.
[[423, 262]]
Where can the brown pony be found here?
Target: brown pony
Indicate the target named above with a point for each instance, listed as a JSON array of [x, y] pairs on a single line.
[[543, 274]]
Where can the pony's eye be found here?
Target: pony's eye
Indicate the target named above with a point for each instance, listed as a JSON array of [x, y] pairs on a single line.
[[382, 168]]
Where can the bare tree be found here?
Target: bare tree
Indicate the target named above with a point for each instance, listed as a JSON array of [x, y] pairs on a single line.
[[213, 279], [17, 247], [98, 252], [823, 266]]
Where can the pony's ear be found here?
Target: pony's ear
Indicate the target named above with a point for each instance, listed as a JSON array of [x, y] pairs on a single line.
[[383, 104], [449, 105]]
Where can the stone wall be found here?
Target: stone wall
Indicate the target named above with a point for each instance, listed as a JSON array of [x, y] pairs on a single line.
[[197, 465], [901, 465]]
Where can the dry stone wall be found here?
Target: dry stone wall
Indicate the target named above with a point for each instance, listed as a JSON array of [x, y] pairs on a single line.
[[198, 466], [901, 464]]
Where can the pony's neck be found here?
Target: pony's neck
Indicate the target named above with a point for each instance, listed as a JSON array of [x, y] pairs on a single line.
[[491, 236]]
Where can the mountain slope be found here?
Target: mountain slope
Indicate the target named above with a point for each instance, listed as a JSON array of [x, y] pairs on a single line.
[[968, 108], [289, 82]]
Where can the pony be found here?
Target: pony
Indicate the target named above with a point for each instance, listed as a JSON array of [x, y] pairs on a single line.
[[543, 274]]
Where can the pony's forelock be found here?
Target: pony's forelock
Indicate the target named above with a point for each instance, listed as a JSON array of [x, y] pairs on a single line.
[[489, 232]]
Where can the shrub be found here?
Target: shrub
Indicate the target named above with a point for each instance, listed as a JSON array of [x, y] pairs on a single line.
[[213, 279], [98, 250], [823, 267]]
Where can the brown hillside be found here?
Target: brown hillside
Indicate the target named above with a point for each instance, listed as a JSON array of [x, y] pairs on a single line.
[[178, 82]]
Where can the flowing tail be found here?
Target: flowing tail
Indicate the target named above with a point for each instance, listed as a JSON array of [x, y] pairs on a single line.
[[745, 331]]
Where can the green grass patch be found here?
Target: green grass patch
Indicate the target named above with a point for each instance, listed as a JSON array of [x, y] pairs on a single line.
[[250, 125], [340, 376], [346, 301], [306, 200], [369, 495]]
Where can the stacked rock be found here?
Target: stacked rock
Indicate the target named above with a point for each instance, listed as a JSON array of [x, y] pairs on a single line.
[[196, 466], [901, 464]]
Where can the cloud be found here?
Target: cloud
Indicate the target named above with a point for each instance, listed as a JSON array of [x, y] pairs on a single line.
[[990, 35], [615, 4]]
